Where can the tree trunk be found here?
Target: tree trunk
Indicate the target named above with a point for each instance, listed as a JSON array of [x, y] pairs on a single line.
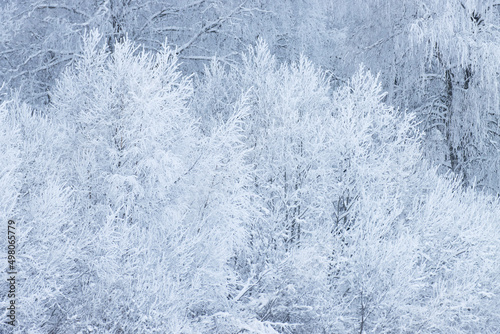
[[453, 156]]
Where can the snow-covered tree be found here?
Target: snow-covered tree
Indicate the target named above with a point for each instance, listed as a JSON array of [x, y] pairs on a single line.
[[149, 212], [439, 59], [10, 154], [458, 49], [47, 243], [323, 163], [342, 192]]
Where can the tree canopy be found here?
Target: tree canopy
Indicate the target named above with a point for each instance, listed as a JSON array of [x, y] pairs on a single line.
[[252, 166]]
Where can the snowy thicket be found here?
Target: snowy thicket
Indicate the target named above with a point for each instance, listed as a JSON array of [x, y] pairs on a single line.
[[146, 214], [240, 167]]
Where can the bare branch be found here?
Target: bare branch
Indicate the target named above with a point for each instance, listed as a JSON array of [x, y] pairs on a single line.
[[41, 68], [166, 11], [57, 6], [208, 28]]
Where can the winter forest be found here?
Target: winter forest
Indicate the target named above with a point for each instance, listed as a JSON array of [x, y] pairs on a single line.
[[250, 166]]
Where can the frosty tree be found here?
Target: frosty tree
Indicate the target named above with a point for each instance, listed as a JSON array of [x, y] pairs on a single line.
[[341, 189], [148, 211]]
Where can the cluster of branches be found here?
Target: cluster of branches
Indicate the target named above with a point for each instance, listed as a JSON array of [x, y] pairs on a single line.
[[256, 199]]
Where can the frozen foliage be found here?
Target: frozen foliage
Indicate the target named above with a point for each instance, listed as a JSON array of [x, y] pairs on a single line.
[[438, 58], [10, 152], [143, 212], [356, 233], [261, 196]]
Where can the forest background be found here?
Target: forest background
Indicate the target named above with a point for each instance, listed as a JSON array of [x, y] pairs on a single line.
[[208, 166]]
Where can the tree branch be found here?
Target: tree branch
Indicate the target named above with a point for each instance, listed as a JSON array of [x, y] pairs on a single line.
[[208, 27]]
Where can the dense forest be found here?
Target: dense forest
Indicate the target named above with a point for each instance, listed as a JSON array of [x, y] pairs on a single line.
[[250, 166]]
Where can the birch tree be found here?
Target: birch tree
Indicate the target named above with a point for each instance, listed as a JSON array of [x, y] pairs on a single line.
[[438, 59]]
